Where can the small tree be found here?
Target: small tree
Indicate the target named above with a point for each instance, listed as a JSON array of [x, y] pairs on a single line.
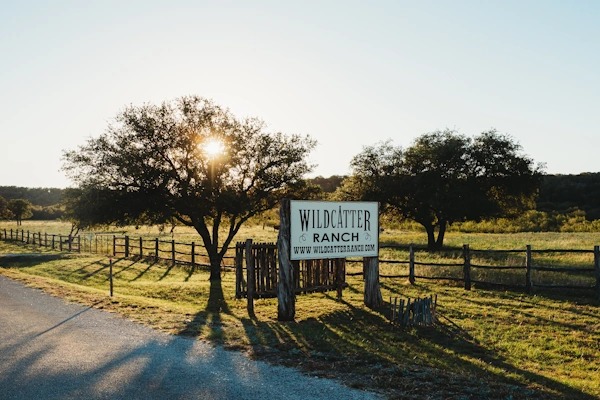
[[191, 161], [445, 177], [20, 209]]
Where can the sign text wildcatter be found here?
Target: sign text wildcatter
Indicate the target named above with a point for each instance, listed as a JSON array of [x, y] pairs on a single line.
[[322, 229]]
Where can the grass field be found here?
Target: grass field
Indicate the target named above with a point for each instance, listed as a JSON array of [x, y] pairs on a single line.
[[488, 344]]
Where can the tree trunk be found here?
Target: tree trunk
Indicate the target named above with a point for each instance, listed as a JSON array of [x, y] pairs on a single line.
[[215, 264], [440, 239], [430, 236]]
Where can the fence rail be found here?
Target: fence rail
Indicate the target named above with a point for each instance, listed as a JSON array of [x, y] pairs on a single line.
[[324, 275], [113, 245], [529, 280]]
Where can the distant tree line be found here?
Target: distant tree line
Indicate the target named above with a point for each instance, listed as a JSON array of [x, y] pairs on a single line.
[[566, 194], [558, 194], [43, 197], [561, 198]]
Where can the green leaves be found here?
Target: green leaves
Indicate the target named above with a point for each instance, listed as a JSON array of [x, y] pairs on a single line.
[[152, 161], [20, 209], [445, 177]]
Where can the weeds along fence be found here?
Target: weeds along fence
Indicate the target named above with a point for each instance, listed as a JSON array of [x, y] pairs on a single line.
[[119, 246], [525, 269]]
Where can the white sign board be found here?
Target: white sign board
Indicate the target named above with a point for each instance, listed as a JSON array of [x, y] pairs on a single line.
[[333, 229]]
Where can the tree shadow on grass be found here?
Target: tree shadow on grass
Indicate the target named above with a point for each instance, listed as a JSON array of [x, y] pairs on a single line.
[[29, 260], [417, 361], [210, 317]]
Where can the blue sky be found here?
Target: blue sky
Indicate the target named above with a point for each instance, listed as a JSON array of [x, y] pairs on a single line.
[[347, 73]]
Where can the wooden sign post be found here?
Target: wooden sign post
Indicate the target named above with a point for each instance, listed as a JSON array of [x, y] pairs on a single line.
[[285, 294]]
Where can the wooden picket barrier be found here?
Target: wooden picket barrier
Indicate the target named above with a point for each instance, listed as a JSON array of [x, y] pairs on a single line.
[[310, 275], [417, 312]]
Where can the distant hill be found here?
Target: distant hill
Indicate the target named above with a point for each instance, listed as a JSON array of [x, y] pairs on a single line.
[[43, 197]]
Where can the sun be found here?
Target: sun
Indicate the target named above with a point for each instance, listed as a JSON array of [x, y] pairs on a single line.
[[213, 148]]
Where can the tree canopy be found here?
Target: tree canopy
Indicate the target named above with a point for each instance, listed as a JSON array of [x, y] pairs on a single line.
[[20, 209], [4, 211], [445, 177], [192, 161]]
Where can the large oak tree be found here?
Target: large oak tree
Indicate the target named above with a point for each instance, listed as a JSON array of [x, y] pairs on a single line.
[[445, 177], [191, 161]]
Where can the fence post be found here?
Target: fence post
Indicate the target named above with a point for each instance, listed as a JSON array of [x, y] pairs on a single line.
[[597, 267], [70, 241], [141, 247], [27, 237], [411, 265], [156, 249], [467, 267], [340, 272], [173, 251], [60, 242], [251, 277], [79, 243], [286, 296], [114, 245], [45, 239], [372, 296], [193, 260], [11, 236], [239, 274], [528, 263], [110, 275], [53, 241], [126, 246]]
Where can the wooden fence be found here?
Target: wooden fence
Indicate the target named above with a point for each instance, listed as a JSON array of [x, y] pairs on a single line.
[[309, 275], [418, 312], [165, 250], [55, 242], [323, 275], [125, 246], [531, 277]]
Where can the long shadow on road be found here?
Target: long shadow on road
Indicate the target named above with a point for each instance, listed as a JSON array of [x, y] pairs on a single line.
[[79, 352]]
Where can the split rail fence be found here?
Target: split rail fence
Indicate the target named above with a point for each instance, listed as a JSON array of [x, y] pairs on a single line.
[[532, 273], [119, 246], [321, 275]]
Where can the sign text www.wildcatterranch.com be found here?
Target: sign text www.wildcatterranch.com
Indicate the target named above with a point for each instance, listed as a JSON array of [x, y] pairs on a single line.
[[329, 229]]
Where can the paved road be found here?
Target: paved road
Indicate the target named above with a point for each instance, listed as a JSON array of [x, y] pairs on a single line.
[[53, 350]]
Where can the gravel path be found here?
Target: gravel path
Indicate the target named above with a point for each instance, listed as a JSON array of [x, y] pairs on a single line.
[[53, 350]]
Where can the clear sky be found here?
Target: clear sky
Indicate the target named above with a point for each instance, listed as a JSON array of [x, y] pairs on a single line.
[[348, 73]]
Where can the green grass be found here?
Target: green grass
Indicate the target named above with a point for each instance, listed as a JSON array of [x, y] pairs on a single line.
[[488, 344]]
